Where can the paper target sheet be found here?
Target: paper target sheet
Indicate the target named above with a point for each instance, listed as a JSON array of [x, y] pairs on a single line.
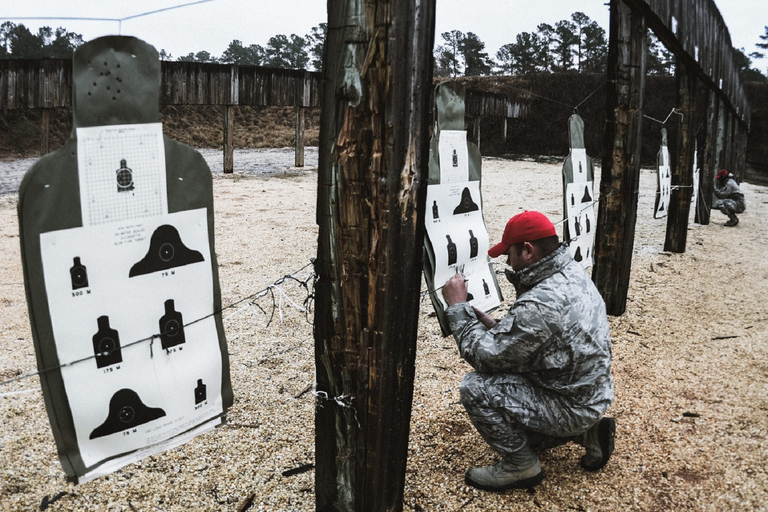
[[131, 309], [579, 162], [664, 188], [581, 220], [456, 228], [121, 170], [454, 157]]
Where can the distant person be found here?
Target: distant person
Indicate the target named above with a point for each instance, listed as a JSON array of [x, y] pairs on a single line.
[[543, 372], [730, 198]]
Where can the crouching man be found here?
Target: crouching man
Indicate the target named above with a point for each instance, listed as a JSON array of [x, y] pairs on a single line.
[[730, 198], [543, 372]]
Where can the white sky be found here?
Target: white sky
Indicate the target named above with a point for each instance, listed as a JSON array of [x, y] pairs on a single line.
[[212, 25]]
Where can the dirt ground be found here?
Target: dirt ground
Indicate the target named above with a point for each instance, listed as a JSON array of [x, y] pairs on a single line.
[[690, 368]]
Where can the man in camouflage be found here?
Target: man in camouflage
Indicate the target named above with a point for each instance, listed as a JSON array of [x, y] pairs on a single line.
[[543, 372], [730, 198]]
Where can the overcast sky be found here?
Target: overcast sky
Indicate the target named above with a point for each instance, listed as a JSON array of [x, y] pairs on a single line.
[[212, 25]]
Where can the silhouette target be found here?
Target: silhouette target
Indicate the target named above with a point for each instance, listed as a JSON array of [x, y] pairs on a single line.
[[106, 344], [78, 274], [171, 327], [166, 250], [466, 204], [452, 252], [473, 247], [200, 392], [126, 411]]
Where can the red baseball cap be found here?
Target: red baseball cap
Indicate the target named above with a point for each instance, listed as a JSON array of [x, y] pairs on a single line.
[[722, 174], [523, 227]]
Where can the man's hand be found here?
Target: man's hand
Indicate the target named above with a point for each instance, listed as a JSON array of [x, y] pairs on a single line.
[[486, 320], [455, 290]]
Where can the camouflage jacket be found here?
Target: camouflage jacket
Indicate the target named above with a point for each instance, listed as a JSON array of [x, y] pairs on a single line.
[[556, 333], [730, 190]]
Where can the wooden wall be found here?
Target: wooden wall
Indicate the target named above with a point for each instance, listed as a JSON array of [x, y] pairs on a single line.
[[44, 83]]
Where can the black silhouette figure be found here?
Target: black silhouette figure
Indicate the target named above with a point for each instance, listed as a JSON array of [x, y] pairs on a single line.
[[472, 245], [171, 327], [435, 213], [466, 204], [587, 252], [106, 344], [124, 178], [586, 198], [577, 225], [578, 256], [455, 159], [452, 254], [580, 169], [126, 411], [486, 289], [587, 221], [166, 250], [200, 392], [78, 275], [573, 200]]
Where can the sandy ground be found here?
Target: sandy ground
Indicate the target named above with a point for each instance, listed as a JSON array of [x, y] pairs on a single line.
[[690, 366]]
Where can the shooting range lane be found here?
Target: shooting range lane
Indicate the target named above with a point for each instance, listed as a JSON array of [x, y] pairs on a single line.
[[673, 360]]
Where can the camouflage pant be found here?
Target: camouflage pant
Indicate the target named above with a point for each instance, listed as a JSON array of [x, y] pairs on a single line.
[[509, 412], [729, 206]]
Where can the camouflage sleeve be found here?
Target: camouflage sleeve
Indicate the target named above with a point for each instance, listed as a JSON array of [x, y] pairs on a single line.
[[728, 190], [510, 346]]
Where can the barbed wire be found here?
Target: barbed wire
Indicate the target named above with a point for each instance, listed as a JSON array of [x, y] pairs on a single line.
[[274, 291]]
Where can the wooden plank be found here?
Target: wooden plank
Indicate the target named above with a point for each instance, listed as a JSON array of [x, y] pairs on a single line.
[[45, 131], [299, 139], [620, 179], [709, 160], [229, 139], [373, 159], [683, 145]]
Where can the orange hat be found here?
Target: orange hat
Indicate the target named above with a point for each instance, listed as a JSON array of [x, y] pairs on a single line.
[[523, 227]]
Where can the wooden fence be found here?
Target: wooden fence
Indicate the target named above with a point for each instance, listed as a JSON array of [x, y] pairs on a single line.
[[47, 83]]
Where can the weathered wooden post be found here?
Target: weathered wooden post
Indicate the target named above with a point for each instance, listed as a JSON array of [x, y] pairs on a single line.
[[303, 100], [229, 119], [45, 131], [722, 123], [682, 161], [229, 138], [620, 180], [741, 151], [709, 165], [372, 176], [299, 139]]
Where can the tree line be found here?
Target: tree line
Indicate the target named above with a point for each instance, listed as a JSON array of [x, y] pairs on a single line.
[[578, 44]]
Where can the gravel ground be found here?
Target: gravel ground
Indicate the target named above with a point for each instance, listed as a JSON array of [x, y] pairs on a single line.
[[689, 365]]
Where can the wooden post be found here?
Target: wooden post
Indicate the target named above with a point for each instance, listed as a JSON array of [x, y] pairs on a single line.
[[45, 132], [722, 123], [709, 163], [741, 148], [478, 119], [682, 161], [620, 180], [229, 137], [299, 142], [372, 175]]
